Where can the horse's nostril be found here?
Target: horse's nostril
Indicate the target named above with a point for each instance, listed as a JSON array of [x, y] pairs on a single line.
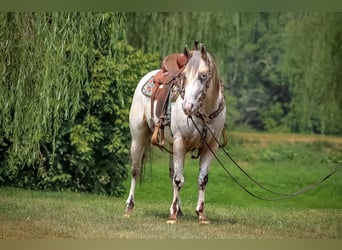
[[187, 108]]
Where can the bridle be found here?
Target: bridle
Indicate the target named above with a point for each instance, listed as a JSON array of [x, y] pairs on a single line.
[[179, 83], [206, 118]]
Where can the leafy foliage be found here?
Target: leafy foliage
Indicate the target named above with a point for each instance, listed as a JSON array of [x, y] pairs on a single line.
[[65, 115], [92, 152], [44, 67], [313, 67], [254, 75]]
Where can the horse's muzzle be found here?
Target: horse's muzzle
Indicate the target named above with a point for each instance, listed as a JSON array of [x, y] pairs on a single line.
[[188, 108]]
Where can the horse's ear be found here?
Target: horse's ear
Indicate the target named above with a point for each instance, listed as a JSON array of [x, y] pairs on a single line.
[[196, 45], [186, 51], [204, 53]]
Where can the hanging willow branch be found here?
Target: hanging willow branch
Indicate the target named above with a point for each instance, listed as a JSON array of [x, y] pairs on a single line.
[[44, 65]]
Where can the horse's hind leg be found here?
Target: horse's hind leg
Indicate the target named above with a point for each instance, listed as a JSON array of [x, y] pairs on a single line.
[[140, 140]]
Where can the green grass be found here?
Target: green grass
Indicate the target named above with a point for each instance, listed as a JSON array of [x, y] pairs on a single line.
[[278, 161], [44, 215]]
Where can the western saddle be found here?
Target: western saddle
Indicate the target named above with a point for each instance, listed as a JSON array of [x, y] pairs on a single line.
[[171, 67]]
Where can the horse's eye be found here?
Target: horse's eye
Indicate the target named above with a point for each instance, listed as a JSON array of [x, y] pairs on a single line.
[[203, 76]]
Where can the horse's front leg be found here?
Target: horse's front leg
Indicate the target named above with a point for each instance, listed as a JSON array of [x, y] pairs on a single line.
[[171, 173], [205, 160], [177, 177]]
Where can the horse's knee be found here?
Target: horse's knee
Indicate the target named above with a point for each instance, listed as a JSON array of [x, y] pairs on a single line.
[[135, 171], [202, 181], [178, 181]]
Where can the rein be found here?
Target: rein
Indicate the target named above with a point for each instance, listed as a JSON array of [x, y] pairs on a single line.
[[282, 196]]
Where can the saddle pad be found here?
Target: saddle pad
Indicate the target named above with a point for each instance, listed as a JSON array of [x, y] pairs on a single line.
[[147, 88]]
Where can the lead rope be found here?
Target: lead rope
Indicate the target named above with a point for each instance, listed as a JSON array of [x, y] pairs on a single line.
[[283, 196]]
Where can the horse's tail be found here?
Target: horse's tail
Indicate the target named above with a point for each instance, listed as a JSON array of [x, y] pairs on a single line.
[[148, 155]]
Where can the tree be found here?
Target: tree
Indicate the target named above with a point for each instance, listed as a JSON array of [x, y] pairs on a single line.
[[92, 152], [64, 93], [312, 63], [254, 75], [45, 64]]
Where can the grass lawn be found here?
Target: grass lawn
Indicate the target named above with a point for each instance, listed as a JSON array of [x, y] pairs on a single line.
[[284, 163]]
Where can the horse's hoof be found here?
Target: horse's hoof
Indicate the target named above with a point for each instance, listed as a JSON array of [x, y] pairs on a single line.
[[204, 222], [202, 218], [170, 221], [127, 215]]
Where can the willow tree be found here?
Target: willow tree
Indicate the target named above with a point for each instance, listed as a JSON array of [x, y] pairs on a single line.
[[168, 32], [313, 63], [45, 62]]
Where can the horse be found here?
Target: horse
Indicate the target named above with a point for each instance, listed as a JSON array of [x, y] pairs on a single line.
[[199, 106]]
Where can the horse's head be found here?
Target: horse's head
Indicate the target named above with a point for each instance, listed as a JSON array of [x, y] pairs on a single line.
[[199, 78]]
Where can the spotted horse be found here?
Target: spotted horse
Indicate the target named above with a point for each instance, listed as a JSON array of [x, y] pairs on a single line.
[[193, 104]]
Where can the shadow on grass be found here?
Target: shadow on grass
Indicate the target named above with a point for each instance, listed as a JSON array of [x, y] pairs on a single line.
[[190, 217]]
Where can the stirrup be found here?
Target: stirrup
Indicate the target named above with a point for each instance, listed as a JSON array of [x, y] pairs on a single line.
[[154, 138]]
